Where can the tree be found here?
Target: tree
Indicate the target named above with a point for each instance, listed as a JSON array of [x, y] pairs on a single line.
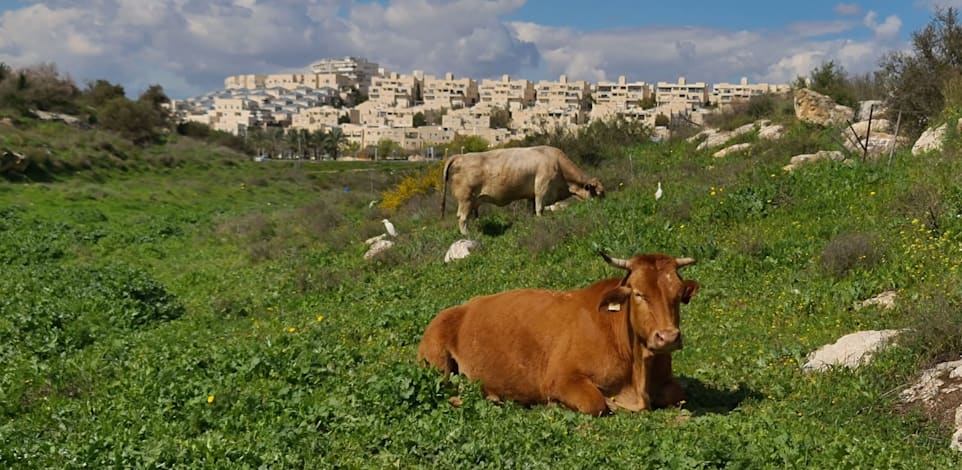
[[101, 91], [662, 120], [500, 118], [915, 82], [419, 119], [388, 148], [135, 120], [830, 79], [155, 97], [335, 139]]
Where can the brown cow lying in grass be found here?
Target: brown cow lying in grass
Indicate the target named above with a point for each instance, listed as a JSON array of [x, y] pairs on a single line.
[[599, 348], [542, 174]]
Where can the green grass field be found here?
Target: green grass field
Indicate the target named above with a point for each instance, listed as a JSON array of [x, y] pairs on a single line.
[[211, 312]]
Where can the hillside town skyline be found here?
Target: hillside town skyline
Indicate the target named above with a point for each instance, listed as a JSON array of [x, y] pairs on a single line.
[[369, 103]]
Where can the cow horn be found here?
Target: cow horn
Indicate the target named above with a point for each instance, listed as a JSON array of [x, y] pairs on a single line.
[[616, 262], [682, 262]]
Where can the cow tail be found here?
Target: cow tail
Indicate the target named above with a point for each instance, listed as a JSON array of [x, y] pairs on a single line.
[[444, 184]]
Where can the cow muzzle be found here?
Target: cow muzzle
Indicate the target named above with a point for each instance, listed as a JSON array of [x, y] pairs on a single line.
[[665, 340]]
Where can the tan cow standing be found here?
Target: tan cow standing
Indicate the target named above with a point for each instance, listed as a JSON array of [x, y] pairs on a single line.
[[542, 174], [595, 349]]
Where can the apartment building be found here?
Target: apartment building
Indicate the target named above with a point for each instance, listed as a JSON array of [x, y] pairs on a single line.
[[379, 115], [507, 93], [539, 118], [725, 93], [358, 69], [621, 94], [411, 138], [475, 117], [233, 115], [393, 89], [449, 92], [322, 117], [244, 82], [563, 94], [693, 94]]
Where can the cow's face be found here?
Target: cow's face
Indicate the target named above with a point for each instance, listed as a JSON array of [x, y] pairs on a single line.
[[652, 293], [594, 188]]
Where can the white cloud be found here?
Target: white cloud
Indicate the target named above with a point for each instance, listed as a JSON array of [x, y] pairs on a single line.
[[189, 46], [848, 9]]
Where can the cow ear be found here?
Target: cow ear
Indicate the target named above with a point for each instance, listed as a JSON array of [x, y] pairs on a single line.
[[689, 289], [614, 299]]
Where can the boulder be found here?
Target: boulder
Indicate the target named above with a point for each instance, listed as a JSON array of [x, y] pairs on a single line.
[[938, 392], [884, 300], [816, 108], [879, 143], [461, 249], [850, 350], [865, 108], [717, 138], [378, 248], [930, 140], [732, 149], [771, 132], [799, 160]]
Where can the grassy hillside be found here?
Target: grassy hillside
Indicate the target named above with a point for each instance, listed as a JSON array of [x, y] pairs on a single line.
[[217, 313]]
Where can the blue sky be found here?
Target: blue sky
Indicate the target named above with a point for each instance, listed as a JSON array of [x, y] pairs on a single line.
[[189, 46]]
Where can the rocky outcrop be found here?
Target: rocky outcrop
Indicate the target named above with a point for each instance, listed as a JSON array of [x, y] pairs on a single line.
[[461, 249], [802, 159], [850, 350], [771, 132], [732, 149], [716, 137], [884, 300], [930, 140], [865, 108], [377, 248], [816, 108], [938, 392]]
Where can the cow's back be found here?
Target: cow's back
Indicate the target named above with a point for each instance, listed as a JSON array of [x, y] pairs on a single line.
[[503, 175], [517, 342]]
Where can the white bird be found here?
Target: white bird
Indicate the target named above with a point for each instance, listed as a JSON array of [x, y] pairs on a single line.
[[659, 192], [390, 227]]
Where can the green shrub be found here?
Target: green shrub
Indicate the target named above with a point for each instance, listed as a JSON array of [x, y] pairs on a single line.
[[849, 251]]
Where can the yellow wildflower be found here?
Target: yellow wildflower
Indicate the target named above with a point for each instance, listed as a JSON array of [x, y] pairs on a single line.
[[291, 329], [320, 317], [210, 399]]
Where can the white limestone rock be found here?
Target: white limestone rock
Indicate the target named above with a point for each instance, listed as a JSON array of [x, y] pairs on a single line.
[[461, 249], [731, 149], [771, 132], [884, 300], [850, 350], [930, 140], [804, 158], [816, 108], [378, 247], [937, 392]]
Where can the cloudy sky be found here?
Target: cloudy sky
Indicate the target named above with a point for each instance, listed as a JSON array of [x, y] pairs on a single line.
[[189, 46]]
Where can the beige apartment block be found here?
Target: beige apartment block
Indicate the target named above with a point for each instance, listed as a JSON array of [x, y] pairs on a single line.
[[563, 94], [395, 90], [449, 92], [376, 114], [621, 94], [475, 117], [411, 138], [725, 93], [357, 68], [232, 115], [606, 111], [244, 82], [493, 137], [507, 93], [540, 118], [323, 117], [693, 94]]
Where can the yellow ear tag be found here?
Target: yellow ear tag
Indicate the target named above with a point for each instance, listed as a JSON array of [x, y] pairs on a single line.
[[613, 307]]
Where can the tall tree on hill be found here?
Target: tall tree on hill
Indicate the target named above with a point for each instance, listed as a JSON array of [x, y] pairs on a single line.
[[101, 91], [915, 81], [335, 138]]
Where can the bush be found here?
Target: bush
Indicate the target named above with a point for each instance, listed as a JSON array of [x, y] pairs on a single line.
[[849, 251], [600, 140], [137, 121]]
